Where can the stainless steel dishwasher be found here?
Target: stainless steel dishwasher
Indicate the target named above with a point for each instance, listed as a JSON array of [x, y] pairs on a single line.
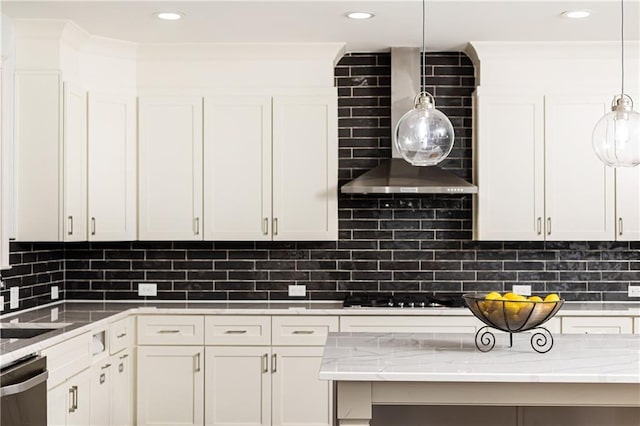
[[23, 391]]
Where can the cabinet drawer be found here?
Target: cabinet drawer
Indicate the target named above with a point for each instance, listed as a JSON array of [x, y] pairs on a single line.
[[67, 358], [121, 334], [302, 330], [411, 324], [597, 325], [237, 330], [170, 330]]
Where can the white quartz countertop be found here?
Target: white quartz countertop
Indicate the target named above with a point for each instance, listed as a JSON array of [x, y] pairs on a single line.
[[411, 357]]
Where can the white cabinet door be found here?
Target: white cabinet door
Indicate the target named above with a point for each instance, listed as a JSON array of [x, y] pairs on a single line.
[[170, 168], [80, 393], [579, 188], [305, 156], [38, 153], [6, 158], [112, 168], [58, 404], [299, 398], [75, 164], [122, 396], [238, 386], [237, 168], [628, 203], [170, 385], [510, 168], [101, 382]]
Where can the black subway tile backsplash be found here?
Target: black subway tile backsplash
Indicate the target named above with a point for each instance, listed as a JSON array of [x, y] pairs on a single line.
[[386, 243]]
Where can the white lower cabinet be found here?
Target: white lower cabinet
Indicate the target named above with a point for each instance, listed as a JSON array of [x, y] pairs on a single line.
[[112, 391], [238, 386], [298, 397], [69, 402], [170, 385]]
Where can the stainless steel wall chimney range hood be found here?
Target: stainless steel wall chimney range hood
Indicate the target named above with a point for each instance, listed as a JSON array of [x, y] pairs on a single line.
[[396, 176]]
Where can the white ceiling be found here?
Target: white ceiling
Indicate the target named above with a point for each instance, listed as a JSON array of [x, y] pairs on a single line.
[[450, 23]]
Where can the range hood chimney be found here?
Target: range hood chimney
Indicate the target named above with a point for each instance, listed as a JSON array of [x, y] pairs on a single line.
[[397, 176]]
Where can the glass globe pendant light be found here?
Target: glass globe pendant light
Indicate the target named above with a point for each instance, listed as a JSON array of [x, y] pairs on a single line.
[[424, 136], [616, 137]]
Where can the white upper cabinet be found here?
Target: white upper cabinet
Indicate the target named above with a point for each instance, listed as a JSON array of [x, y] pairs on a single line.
[[75, 164], [537, 174], [112, 167], [510, 168], [628, 204], [237, 167], [170, 168], [579, 189], [38, 150], [305, 169], [270, 167]]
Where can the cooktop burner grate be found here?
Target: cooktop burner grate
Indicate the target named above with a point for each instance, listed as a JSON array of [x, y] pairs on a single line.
[[403, 300]]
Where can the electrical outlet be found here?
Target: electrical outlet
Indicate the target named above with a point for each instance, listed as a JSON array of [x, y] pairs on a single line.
[[14, 297], [147, 289], [634, 291], [1, 303], [524, 290], [54, 315], [55, 292], [297, 290]]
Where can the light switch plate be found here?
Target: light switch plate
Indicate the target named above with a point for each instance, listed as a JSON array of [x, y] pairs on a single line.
[[634, 291], [297, 290], [14, 297], [55, 292], [1, 303], [147, 289], [524, 290]]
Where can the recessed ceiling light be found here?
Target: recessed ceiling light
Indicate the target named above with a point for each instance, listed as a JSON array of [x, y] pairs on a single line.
[[576, 14], [360, 15], [169, 16]]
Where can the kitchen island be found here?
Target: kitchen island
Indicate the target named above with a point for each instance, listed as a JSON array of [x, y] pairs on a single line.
[[447, 369]]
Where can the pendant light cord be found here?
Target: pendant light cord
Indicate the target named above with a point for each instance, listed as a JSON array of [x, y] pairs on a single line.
[[622, 40], [423, 54]]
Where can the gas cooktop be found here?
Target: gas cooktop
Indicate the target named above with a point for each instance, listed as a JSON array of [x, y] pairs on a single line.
[[403, 300]]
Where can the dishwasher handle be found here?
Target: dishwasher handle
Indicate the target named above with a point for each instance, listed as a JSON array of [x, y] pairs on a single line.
[[24, 386]]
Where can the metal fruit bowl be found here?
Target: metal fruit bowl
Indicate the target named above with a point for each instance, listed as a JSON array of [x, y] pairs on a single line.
[[511, 316]]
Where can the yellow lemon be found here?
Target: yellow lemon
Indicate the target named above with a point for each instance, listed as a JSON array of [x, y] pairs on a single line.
[[510, 296], [553, 297], [535, 299], [494, 295]]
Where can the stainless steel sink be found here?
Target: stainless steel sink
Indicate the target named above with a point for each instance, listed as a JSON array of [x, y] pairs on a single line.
[[28, 330]]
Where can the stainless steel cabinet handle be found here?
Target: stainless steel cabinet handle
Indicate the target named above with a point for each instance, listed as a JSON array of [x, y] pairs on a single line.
[[235, 331], [274, 363], [93, 226], [102, 378], [104, 367], [75, 397], [548, 226], [275, 226], [196, 225], [121, 367], [197, 362], [620, 231], [70, 219], [265, 363], [23, 386], [303, 332], [124, 356], [71, 399], [265, 226], [539, 226], [121, 335], [168, 331]]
